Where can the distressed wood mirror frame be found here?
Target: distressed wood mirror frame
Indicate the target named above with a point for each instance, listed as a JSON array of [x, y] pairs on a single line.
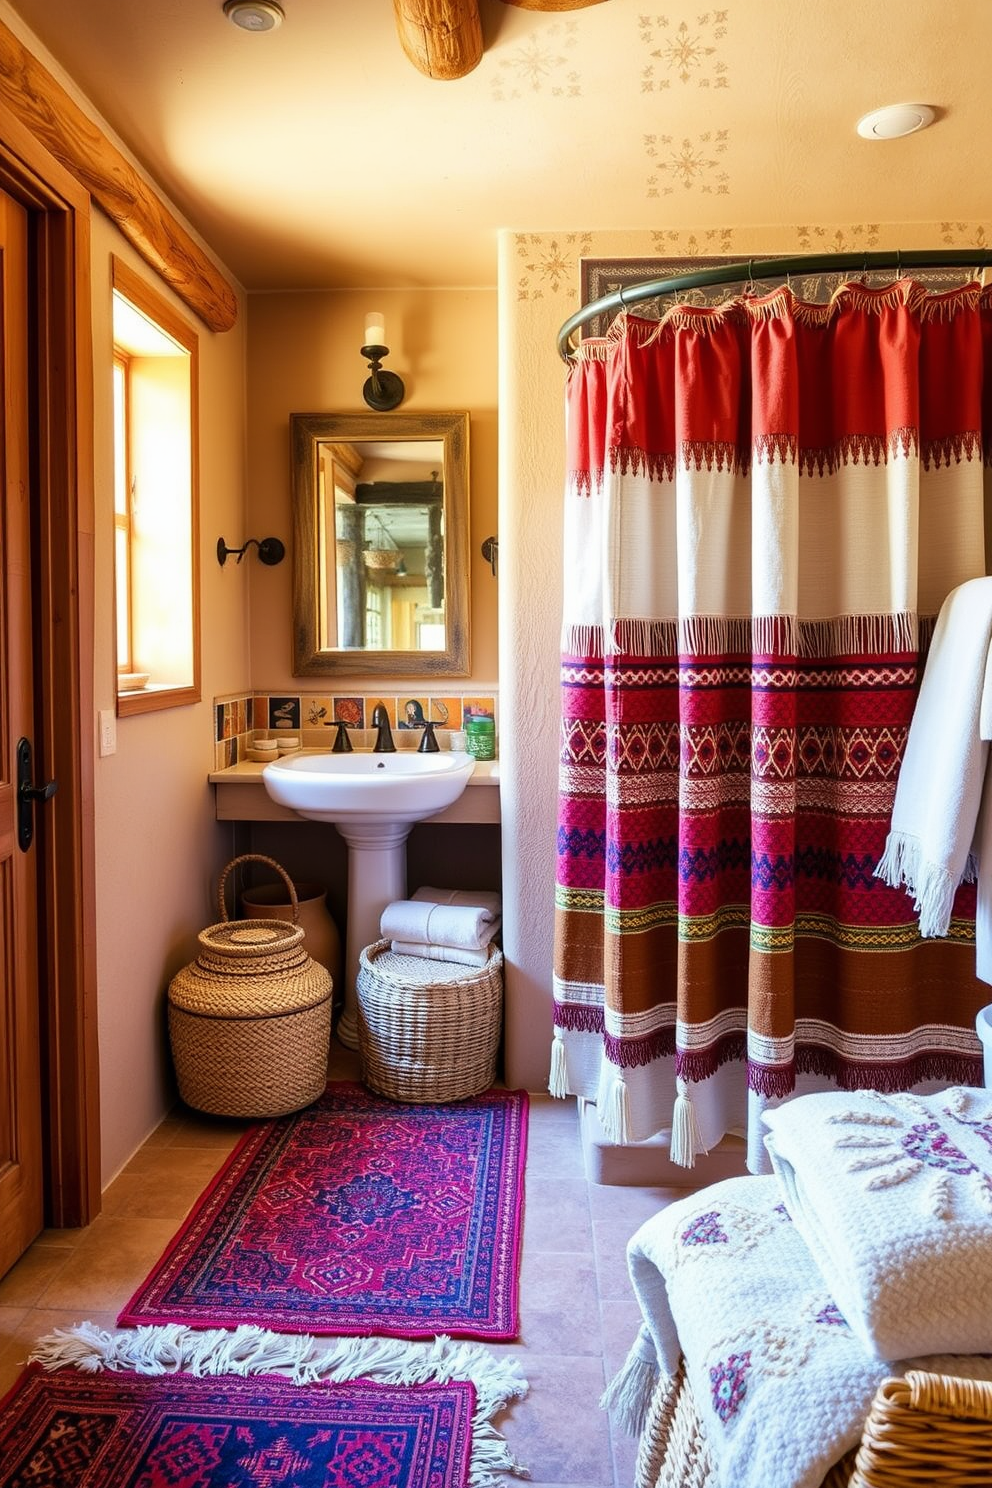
[[309, 432]]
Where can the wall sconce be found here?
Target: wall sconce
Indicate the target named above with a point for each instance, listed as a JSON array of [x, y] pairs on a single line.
[[383, 390], [270, 550]]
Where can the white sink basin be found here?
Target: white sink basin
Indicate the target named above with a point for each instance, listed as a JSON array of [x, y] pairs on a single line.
[[384, 788]]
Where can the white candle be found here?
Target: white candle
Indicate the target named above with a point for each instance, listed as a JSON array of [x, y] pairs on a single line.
[[375, 329]]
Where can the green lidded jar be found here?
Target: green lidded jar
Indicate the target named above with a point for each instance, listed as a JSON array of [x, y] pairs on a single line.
[[480, 738]]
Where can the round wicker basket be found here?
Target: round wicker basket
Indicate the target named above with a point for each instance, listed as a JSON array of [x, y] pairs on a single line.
[[428, 1030], [250, 1018]]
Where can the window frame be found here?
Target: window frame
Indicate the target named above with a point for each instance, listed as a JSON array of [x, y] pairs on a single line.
[[132, 288]]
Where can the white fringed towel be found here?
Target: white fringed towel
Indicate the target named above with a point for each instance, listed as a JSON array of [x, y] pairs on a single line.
[[455, 954], [467, 926], [930, 848], [893, 1197]]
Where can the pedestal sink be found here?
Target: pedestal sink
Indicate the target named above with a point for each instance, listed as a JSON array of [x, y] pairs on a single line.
[[373, 800]]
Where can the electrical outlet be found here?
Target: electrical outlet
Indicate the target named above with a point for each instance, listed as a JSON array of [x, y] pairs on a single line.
[[108, 731]]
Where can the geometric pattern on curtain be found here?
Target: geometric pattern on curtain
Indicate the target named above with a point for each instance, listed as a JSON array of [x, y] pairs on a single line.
[[766, 504]]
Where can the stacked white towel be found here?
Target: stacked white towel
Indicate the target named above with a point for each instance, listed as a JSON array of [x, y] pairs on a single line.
[[444, 925]]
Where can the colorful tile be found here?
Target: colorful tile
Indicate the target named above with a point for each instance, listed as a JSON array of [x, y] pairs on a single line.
[[349, 711], [318, 712], [259, 712], [218, 722], [446, 711], [284, 712], [478, 707], [411, 712]]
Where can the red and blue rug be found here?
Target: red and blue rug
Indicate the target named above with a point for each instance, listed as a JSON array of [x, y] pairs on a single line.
[[359, 1216], [74, 1430]]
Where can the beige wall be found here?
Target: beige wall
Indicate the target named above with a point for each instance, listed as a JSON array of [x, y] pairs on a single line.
[[539, 288], [303, 357], [158, 847]]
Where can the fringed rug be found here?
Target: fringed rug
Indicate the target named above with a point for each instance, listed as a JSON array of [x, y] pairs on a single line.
[[357, 1216], [298, 1360], [73, 1430]]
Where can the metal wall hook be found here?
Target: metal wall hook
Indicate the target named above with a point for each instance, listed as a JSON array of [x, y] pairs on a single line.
[[490, 551], [270, 550]]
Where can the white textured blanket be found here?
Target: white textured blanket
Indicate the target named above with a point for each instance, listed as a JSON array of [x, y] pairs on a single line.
[[781, 1382], [931, 847], [893, 1196]]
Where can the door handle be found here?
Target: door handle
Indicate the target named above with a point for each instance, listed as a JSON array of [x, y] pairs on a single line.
[[27, 794]]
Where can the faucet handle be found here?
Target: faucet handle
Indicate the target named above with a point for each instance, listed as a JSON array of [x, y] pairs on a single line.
[[428, 743], [342, 740]]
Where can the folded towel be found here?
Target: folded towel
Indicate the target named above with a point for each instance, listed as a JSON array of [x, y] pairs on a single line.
[[458, 954], [930, 848], [893, 1196], [464, 925], [478, 898]]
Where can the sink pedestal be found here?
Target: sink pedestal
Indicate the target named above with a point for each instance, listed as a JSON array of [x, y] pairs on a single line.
[[373, 800], [376, 876]]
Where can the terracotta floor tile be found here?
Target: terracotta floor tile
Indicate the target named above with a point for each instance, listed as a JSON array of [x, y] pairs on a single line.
[[105, 1269], [558, 1431], [559, 1304], [556, 1214], [24, 1283]]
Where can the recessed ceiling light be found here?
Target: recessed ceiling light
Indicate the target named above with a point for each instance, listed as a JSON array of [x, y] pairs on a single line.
[[895, 120], [254, 15]]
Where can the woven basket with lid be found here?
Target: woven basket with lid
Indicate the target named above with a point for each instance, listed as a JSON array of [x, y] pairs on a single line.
[[250, 1018], [428, 1030]]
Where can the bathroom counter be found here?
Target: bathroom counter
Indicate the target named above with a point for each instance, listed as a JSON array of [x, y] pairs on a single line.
[[241, 796]]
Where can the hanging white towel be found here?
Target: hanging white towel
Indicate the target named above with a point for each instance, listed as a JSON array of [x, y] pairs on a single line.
[[458, 954], [937, 839], [467, 926]]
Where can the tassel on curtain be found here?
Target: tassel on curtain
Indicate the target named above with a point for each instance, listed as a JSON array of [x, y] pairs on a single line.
[[766, 505]]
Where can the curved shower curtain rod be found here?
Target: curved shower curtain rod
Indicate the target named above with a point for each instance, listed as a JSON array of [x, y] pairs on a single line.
[[751, 269]]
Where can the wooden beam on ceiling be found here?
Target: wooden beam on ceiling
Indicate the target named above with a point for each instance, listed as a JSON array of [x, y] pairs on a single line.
[[552, 4], [442, 38], [58, 123]]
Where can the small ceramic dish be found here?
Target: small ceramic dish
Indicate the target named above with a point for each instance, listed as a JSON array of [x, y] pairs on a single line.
[[132, 681]]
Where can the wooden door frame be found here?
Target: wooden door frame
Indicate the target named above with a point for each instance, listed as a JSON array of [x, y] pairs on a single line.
[[61, 438]]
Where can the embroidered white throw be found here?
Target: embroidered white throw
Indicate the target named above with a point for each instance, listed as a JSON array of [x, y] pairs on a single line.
[[782, 1384], [893, 1196], [930, 848]]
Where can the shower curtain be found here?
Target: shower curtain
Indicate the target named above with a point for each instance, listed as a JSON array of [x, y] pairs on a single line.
[[766, 504]]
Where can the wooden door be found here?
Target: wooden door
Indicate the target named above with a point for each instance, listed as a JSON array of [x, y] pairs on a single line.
[[21, 1185]]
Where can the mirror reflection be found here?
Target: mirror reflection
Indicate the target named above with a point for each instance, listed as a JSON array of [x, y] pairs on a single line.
[[381, 553], [382, 519]]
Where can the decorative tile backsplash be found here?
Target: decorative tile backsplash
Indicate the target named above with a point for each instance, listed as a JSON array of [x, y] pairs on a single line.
[[312, 715]]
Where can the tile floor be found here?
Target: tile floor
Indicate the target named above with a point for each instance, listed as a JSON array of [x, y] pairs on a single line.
[[578, 1315]]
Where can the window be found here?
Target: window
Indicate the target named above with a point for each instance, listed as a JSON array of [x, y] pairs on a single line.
[[156, 536]]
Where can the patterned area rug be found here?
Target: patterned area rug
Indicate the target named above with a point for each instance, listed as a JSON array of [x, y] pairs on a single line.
[[72, 1430], [357, 1216]]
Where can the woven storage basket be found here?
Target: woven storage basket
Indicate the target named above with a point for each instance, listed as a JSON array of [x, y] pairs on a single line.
[[923, 1431], [250, 1018], [428, 1030]]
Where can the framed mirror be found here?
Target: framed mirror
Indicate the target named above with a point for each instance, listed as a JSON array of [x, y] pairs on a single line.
[[381, 550]]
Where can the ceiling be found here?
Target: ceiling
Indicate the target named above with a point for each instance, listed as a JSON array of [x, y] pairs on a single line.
[[317, 156]]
